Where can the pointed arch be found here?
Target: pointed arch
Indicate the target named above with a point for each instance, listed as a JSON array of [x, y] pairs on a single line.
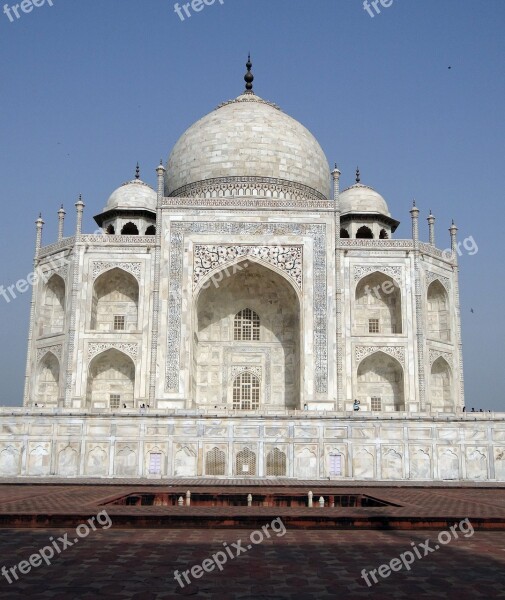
[[115, 301], [52, 315], [344, 234], [272, 302], [48, 380], [111, 377], [381, 377], [441, 395], [378, 306], [439, 327]]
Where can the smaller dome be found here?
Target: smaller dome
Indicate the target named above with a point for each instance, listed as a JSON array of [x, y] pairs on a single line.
[[133, 194], [361, 198]]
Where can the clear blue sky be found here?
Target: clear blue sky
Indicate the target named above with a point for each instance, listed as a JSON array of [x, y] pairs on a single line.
[[88, 88]]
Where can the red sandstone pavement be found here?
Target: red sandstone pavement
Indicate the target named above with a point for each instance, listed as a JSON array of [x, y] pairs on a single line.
[[139, 563]]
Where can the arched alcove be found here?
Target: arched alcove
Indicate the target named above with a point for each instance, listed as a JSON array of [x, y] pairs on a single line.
[[115, 301], [52, 314], [48, 381], [247, 319], [378, 306], [380, 380], [441, 386], [438, 312], [111, 380]]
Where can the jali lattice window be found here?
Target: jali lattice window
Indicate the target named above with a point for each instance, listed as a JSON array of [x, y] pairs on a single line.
[[246, 326], [276, 463], [115, 400], [373, 325], [246, 392], [215, 462], [119, 322], [376, 403], [246, 463]]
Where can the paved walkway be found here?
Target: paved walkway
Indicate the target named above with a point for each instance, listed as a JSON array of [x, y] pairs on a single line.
[[301, 565], [132, 563]]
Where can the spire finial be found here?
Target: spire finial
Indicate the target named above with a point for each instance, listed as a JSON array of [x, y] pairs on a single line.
[[249, 77], [137, 172], [358, 176]]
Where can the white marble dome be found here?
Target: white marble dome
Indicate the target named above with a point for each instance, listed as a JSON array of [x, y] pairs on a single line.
[[248, 140], [361, 198], [133, 194]]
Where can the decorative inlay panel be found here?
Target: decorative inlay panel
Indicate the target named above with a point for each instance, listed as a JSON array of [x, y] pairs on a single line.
[[237, 369], [434, 354], [131, 267], [431, 277], [97, 348], [249, 203], [288, 259], [397, 352], [119, 240], [381, 244], [61, 270], [265, 187], [320, 309], [362, 271], [57, 350]]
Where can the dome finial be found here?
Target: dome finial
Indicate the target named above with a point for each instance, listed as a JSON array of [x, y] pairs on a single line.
[[358, 177], [249, 77], [137, 172]]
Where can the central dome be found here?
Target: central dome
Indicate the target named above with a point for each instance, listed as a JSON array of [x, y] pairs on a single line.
[[248, 147]]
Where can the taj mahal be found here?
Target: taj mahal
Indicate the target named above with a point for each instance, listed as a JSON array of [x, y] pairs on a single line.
[[247, 318]]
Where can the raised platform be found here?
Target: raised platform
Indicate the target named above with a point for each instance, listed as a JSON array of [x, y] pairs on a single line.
[[305, 445]]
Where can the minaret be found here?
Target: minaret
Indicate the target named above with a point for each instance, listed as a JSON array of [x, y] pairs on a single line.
[[160, 171], [338, 288], [431, 225], [61, 222], [453, 230], [414, 212], [79, 205], [39, 224]]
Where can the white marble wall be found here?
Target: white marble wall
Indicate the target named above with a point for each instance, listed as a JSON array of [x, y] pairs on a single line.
[[399, 448]]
